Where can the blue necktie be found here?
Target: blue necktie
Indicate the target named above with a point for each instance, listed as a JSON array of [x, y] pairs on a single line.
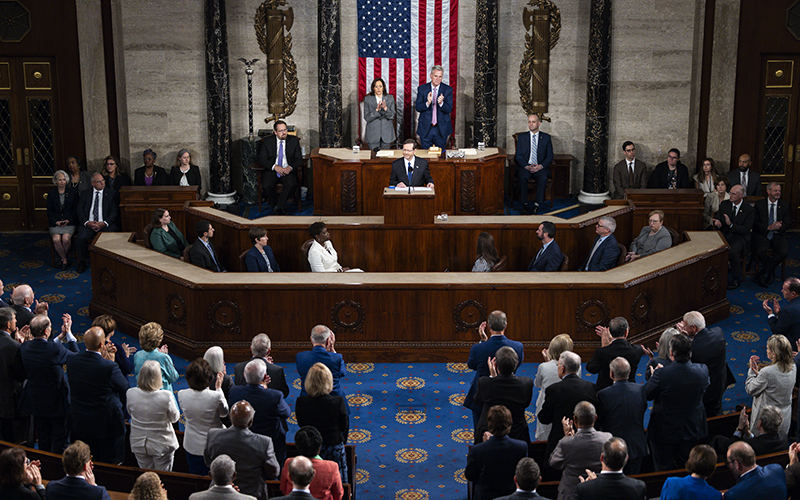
[[280, 156], [214, 257], [410, 173], [534, 153]]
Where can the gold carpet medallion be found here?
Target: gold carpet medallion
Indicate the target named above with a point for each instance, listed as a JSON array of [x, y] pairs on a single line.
[[359, 399], [358, 436], [457, 399], [411, 455], [463, 435], [411, 494], [743, 336], [411, 383], [411, 417], [360, 367], [458, 367]]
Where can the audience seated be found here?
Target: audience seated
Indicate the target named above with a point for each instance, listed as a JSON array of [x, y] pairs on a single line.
[[527, 478], [62, 203], [79, 483], [753, 481], [653, 238], [260, 347], [184, 173], [612, 482], [150, 174], [772, 384], [148, 487], [260, 258], [216, 360], [711, 202], [20, 480], [150, 336], [549, 258], [202, 252], [322, 257], [605, 250], [223, 473], [97, 212], [547, 375], [327, 483], [701, 464], [769, 437], [487, 254], [122, 352], [613, 343], [670, 174], [165, 237], [735, 219]]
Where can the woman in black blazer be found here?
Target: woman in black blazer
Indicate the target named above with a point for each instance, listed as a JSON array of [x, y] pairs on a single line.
[[62, 203], [184, 173], [150, 174], [114, 174], [20, 480]]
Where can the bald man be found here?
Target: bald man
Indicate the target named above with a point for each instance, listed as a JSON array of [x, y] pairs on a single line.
[[745, 177], [301, 472], [97, 388], [253, 453]]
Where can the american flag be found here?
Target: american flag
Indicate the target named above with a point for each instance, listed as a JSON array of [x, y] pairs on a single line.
[[399, 41]]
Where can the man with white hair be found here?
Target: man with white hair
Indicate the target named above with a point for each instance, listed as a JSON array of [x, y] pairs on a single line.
[[223, 473], [269, 405], [260, 347], [323, 351], [605, 250], [97, 212], [708, 348], [735, 219], [26, 306]]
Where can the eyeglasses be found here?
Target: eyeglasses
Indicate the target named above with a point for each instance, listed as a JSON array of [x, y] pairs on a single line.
[[672, 157], [600, 225], [654, 221]]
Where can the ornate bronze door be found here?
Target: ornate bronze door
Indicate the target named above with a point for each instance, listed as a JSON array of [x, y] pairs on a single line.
[[29, 145]]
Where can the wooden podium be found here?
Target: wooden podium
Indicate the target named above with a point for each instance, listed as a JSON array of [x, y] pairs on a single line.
[[137, 203], [401, 208]]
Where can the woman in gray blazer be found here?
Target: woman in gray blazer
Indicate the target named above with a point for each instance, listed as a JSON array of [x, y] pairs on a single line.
[[379, 112], [653, 238]]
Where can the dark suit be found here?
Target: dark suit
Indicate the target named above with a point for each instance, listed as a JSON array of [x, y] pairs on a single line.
[[271, 413], [253, 454], [267, 156], [522, 495], [612, 487], [55, 212], [763, 444], [621, 412], [296, 495], [659, 178], [603, 356], [678, 419], [544, 157], [199, 256], [559, 402], [23, 314], [160, 177], [753, 181], [13, 427], [254, 262], [75, 488], [622, 177], [777, 242], [550, 260], [420, 177], [491, 466], [604, 258], [84, 235], [738, 233], [787, 322], [761, 483], [515, 393], [479, 355], [428, 134], [97, 389], [277, 378], [333, 360], [709, 348], [193, 176], [47, 389]]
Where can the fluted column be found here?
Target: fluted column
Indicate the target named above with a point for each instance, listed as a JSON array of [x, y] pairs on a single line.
[[486, 72], [330, 74]]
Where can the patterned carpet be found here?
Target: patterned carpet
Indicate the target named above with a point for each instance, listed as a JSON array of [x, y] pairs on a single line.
[[407, 420]]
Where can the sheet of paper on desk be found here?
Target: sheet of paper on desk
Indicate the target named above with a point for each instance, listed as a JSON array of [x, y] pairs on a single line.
[[385, 153], [469, 151], [421, 189]]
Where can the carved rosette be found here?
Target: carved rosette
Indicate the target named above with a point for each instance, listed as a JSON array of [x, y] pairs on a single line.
[[108, 283], [468, 315], [225, 316], [467, 190], [711, 280], [349, 191], [591, 314], [348, 316], [176, 309], [640, 309]]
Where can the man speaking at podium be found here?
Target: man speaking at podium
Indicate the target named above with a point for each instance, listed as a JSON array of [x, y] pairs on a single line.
[[410, 171]]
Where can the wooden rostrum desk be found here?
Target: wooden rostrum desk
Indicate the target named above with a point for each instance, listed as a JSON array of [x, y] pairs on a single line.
[[405, 307]]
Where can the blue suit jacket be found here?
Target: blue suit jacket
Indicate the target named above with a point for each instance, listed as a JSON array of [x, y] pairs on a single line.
[[605, 257], [544, 150], [426, 112], [550, 260], [98, 395], [47, 390], [333, 360], [763, 483], [688, 487], [491, 465], [479, 355], [255, 263], [621, 412], [75, 488], [678, 413], [271, 409], [787, 322]]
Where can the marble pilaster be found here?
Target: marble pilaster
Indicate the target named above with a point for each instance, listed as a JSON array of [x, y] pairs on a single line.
[[330, 74], [218, 98], [486, 73]]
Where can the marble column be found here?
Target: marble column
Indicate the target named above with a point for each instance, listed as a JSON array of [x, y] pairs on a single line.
[[330, 74], [595, 182], [486, 72], [218, 103]]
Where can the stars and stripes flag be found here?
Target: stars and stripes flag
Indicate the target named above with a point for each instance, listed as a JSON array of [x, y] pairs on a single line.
[[399, 41]]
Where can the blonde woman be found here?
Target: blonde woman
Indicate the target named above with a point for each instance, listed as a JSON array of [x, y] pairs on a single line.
[[150, 336], [148, 487], [547, 375], [772, 384], [153, 412]]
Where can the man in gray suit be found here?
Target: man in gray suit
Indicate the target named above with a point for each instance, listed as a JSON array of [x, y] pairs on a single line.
[[301, 472], [223, 472], [253, 453]]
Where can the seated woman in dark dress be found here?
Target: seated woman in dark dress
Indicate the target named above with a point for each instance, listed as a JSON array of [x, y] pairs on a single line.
[[18, 478], [327, 413], [150, 174], [62, 202], [487, 254], [165, 236], [184, 173]]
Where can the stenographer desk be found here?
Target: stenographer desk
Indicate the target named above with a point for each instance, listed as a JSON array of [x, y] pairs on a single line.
[[420, 314]]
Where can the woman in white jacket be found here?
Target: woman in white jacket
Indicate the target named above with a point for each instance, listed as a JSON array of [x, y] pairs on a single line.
[[772, 384]]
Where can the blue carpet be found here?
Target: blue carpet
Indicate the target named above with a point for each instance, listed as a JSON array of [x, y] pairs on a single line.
[[407, 420]]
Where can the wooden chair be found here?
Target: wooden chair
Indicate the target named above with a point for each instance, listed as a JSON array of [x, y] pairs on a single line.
[[548, 193], [565, 264], [757, 264], [147, 230], [242, 265], [622, 253], [676, 237], [186, 257], [451, 141], [304, 251], [500, 265], [258, 168]]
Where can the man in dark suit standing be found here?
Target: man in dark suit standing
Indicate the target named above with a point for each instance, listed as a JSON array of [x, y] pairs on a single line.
[[281, 156], [744, 176], [533, 156], [26, 306], [434, 104], [613, 343], [97, 389], [678, 419], [670, 174], [323, 351], [621, 412], [301, 472], [97, 211], [202, 252], [260, 347], [605, 250], [561, 398], [630, 173], [773, 218], [708, 348], [480, 353], [753, 481], [550, 257], [785, 320], [79, 483], [612, 482], [420, 174], [13, 426], [47, 388], [527, 478], [735, 219], [2, 302]]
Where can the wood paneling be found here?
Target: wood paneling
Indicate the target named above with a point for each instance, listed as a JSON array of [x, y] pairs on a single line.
[[137, 203]]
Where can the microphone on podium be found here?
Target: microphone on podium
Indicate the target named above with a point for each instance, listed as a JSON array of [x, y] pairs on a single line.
[[410, 173]]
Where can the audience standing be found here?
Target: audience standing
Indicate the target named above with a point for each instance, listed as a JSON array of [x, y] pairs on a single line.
[[13, 426], [150, 336], [773, 219], [327, 483], [527, 478], [223, 473], [216, 361], [148, 487], [613, 343], [708, 348], [547, 375], [611, 483], [772, 384], [322, 351], [260, 347], [122, 352], [786, 320]]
